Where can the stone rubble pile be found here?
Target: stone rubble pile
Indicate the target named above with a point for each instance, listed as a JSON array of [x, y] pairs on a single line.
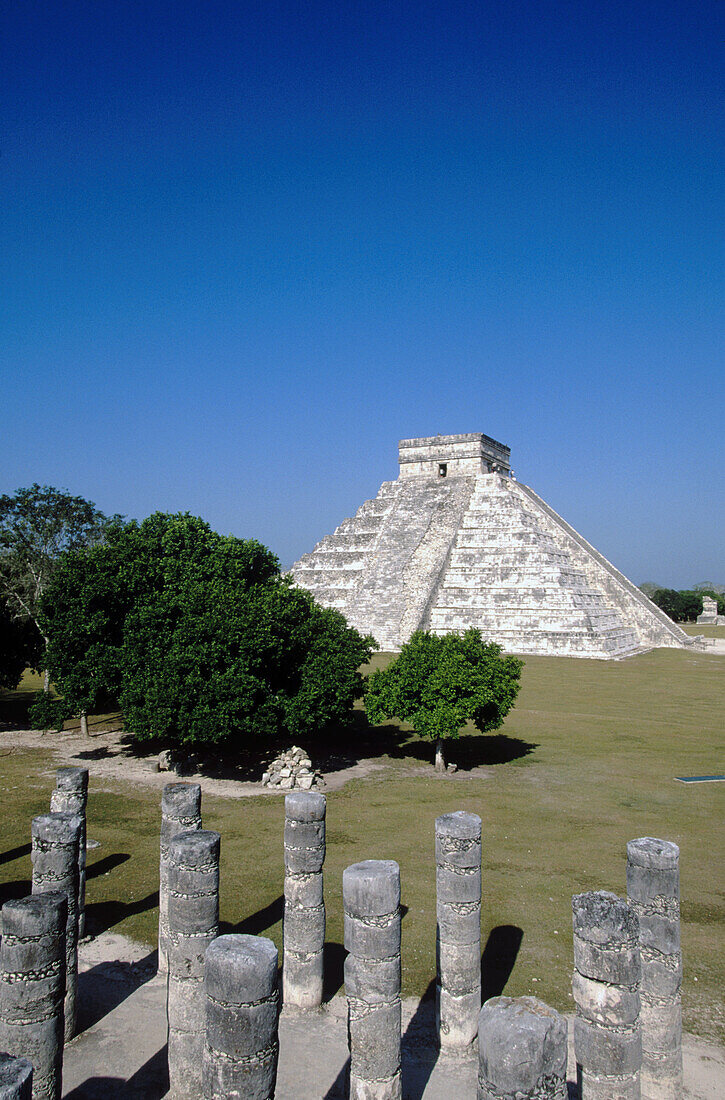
[[292, 770]]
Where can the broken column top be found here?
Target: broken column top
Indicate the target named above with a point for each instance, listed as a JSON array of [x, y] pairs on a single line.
[[453, 456], [649, 851]]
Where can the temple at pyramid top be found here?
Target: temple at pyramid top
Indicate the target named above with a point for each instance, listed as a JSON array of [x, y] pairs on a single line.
[[452, 455], [456, 542]]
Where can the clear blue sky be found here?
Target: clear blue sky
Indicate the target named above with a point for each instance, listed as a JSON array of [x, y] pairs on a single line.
[[246, 247]]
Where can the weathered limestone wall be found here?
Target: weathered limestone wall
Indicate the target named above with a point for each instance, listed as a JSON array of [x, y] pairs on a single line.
[[458, 931], [193, 925], [16, 1078], [32, 986], [477, 549], [607, 1038], [522, 1050], [653, 888], [55, 855], [180, 813], [304, 906], [371, 897], [241, 1047]]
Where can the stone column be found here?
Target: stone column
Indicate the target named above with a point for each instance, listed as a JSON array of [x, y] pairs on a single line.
[[193, 925], [71, 797], [304, 907], [242, 1009], [653, 887], [55, 843], [32, 986], [607, 1040], [458, 934], [180, 813], [16, 1078], [522, 1049], [371, 898]]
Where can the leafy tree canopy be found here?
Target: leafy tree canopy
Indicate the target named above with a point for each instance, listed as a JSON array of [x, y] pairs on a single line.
[[19, 647], [438, 683], [37, 527], [197, 636]]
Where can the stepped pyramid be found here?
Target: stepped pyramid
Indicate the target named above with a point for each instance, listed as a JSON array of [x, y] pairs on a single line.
[[457, 542]]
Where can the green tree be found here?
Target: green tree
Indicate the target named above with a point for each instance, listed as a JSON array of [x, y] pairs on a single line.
[[37, 527], [438, 683], [197, 636]]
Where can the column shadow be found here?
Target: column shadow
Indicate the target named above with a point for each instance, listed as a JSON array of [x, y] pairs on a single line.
[[149, 1082], [420, 1046], [258, 922], [103, 866], [16, 853], [103, 915], [106, 985], [498, 959]]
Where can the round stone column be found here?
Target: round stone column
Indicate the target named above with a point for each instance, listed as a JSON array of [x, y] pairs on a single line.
[[180, 813], [242, 1009], [458, 934], [193, 925], [653, 888], [55, 855], [71, 797], [304, 907], [522, 1048], [32, 987], [371, 898], [607, 1040]]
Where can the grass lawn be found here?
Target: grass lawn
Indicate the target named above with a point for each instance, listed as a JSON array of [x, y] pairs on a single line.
[[585, 762]]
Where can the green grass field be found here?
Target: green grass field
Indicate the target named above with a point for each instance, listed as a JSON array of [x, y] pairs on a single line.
[[585, 762]]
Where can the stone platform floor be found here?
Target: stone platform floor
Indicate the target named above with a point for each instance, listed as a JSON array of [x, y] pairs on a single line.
[[121, 1051]]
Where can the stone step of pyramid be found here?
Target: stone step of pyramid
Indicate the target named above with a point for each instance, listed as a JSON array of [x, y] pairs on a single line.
[[455, 542]]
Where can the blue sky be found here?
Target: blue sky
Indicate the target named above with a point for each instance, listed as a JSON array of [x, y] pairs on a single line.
[[245, 248]]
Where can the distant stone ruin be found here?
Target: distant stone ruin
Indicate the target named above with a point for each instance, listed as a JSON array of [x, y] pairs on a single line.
[[709, 616], [457, 542]]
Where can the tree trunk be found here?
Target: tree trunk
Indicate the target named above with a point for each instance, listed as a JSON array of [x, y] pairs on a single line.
[[84, 723], [440, 762]]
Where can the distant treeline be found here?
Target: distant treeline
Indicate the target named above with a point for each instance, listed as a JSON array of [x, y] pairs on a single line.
[[685, 605]]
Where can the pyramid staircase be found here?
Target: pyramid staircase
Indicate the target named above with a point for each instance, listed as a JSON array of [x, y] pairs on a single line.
[[478, 549]]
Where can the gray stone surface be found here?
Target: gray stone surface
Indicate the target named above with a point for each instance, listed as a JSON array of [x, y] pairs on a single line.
[[522, 1050], [55, 856], [304, 907], [121, 1052], [458, 933], [371, 900], [71, 797], [653, 888], [242, 1008], [606, 988], [16, 1078], [475, 548], [180, 813], [32, 987], [193, 916]]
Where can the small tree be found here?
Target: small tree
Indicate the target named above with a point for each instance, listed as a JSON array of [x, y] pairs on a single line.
[[438, 683], [37, 526]]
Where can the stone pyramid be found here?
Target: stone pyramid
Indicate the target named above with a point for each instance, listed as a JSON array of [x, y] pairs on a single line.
[[457, 542]]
